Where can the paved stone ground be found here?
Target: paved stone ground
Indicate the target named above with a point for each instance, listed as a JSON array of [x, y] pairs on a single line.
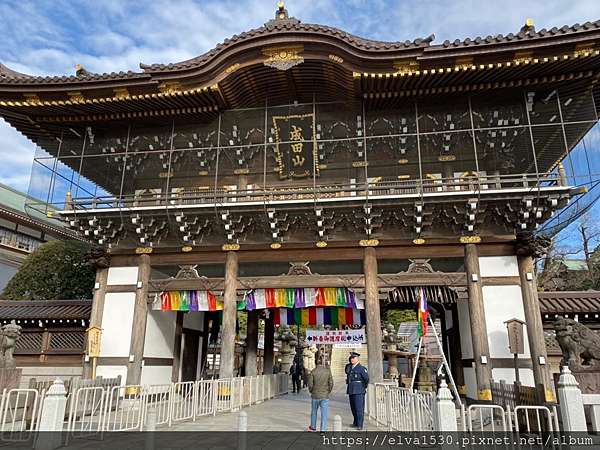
[[290, 412]]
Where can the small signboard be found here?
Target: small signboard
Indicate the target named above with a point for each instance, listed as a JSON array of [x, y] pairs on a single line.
[[333, 337], [515, 336], [94, 334]]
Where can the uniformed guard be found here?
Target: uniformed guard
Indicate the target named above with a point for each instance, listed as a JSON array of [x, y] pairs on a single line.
[[357, 380]]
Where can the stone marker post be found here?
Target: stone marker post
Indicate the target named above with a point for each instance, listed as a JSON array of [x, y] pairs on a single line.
[[571, 402], [53, 416], [445, 414]]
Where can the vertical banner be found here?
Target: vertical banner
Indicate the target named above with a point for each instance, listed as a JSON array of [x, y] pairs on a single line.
[[295, 148]]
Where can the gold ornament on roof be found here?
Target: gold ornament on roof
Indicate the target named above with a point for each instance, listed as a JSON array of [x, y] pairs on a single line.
[[143, 250], [283, 58], [418, 241], [321, 244], [275, 245], [230, 247]]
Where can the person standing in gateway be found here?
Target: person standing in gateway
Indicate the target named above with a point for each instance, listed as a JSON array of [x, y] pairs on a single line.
[[320, 385], [357, 380]]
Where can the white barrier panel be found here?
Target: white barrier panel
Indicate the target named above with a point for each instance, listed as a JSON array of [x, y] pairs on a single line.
[[19, 414], [127, 408]]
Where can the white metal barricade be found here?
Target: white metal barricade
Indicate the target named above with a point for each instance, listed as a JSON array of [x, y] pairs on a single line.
[[124, 408], [95, 409], [87, 411], [19, 414], [486, 418], [536, 419], [182, 399], [205, 398], [157, 398]]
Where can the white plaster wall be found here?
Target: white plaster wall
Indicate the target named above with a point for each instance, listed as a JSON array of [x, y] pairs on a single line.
[[117, 321], [508, 375], [112, 372], [194, 320], [122, 275], [502, 303], [160, 334], [464, 327], [156, 374], [498, 266], [470, 382]]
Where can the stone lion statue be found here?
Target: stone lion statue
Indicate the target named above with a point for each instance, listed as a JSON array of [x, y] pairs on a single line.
[[580, 345], [9, 334]]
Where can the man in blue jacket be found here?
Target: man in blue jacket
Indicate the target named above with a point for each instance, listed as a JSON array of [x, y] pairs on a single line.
[[357, 380]]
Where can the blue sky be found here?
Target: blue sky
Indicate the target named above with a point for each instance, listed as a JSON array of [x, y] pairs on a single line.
[[47, 37]]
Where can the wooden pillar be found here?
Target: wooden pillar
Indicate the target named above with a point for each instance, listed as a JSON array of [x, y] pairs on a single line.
[[177, 347], [251, 343], [269, 344], [481, 350], [375, 359], [97, 310], [229, 315], [535, 330], [140, 317]]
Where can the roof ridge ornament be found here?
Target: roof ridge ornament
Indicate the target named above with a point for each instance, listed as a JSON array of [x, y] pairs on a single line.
[[529, 26], [281, 16]]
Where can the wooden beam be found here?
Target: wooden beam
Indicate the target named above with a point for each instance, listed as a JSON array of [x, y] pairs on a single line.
[[481, 350], [177, 347], [373, 328], [535, 330], [97, 311], [173, 257], [140, 317], [500, 281], [307, 281], [268, 346], [251, 344], [226, 363]]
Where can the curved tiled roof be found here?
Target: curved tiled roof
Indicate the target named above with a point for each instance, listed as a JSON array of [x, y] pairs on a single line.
[[293, 26], [10, 76], [523, 34]]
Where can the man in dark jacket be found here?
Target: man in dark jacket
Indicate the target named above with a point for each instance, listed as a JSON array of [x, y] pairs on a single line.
[[320, 385], [296, 373], [357, 380]]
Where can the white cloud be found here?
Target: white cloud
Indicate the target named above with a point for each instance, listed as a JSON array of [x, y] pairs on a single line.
[[17, 156]]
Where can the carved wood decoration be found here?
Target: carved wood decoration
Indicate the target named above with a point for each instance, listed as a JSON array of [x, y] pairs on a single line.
[[299, 268], [187, 272]]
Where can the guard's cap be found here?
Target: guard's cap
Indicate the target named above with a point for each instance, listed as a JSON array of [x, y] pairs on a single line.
[[353, 354]]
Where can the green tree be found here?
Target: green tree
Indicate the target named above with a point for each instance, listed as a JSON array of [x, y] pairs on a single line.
[[397, 316], [57, 270]]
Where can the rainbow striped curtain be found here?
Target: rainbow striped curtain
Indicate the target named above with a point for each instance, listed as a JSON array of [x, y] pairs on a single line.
[[301, 298], [334, 316], [190, 301]]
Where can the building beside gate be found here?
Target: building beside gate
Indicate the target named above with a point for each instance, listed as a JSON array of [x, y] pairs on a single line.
[[21, 231], [389, 166]]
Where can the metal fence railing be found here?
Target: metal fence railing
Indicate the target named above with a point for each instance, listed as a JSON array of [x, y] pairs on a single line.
[[128, 408], [522, 419], [400, 409]]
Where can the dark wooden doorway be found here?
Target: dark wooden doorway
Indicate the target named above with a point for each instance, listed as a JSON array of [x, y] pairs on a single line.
[[189, 361]]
